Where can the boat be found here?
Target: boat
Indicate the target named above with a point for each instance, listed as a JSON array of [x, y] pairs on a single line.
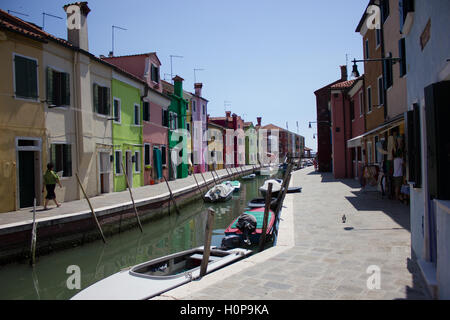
[[235, 184], [154, 277], [276, 187], [260, 203], [219, 193], [294, 190], [251, 236], [249, 177]]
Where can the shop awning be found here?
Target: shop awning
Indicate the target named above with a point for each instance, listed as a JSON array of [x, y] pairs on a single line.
[[355, 142]]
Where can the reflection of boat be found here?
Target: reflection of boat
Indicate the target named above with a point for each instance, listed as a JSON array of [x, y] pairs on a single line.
[[157, 276], [219, 193], [268, 171], [235, 184], [243, 227], [260, 203], [249, 177], [276, 187]]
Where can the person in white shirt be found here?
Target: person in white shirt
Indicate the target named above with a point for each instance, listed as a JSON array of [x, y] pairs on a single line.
[[398, 173]]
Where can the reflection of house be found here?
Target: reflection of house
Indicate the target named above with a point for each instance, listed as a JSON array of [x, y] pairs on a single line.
[[154, 112], [425, 28]]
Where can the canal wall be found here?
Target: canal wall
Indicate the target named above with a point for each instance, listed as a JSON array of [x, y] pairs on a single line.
[[72, 224]]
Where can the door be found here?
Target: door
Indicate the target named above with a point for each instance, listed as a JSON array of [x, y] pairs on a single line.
[[27, 188], [129, 167], [105, 169], [157, 162]]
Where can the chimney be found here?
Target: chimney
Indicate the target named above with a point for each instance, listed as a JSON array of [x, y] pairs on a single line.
[[344, 75], [178, 86], [228, 114], [258, 119], [77, 28], [198, 89]]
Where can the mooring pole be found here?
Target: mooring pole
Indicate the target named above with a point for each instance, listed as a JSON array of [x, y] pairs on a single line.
[[132, 199], [262, 240], [213, 178], [207, 246], [33, 237], [171, 196], [196, 182], [92, 209]]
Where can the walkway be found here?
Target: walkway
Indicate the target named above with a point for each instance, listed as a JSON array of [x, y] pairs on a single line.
[[320, 257]]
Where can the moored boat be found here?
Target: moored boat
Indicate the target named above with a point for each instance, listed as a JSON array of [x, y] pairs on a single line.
[[253, 233], [260, 203], [276, 187], [151, 278], [249, 177], [219, 193], [235, 184]]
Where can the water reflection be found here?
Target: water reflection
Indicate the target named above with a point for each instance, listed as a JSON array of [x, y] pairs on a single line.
[[97, 260]]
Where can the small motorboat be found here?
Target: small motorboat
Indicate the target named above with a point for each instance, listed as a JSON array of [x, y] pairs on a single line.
[[276, 187], [261, 203], [249, 225], [219, 193], [235, 184], [249, 177], [294, 190], [154, 277]]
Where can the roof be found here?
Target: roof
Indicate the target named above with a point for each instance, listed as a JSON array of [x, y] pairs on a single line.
[[148, 54], [346, 84]]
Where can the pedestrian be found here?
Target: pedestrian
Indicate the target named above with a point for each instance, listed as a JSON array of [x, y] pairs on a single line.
[[398, 172], [50, 181]]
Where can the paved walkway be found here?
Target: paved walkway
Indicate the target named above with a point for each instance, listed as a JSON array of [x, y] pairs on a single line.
[[320, 257], [112, 201]]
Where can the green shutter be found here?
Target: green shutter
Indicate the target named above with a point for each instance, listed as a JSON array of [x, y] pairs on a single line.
[[32, 78], [50, 86], [66, 85], [20, 67], [95, 95], [67, 160], [107, 101]]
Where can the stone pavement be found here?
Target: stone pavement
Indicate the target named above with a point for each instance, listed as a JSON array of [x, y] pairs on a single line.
[[320, 257]]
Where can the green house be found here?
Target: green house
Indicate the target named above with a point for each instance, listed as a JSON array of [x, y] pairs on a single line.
[[178, 141], [127, 133]]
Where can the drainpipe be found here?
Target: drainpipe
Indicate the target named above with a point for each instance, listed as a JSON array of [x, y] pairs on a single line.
[[77, 112], [383, 55]]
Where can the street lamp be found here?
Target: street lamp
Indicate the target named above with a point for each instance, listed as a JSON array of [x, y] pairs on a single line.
[[355, 72], [327, 122]]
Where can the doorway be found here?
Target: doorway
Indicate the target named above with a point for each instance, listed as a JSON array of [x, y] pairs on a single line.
[[105, 169], [28, 171]]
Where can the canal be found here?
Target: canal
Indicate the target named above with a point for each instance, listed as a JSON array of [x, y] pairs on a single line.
[[174, 233]]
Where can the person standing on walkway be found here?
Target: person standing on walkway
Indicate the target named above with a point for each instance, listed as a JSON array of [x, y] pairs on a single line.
[[398, 173], [50, 181]]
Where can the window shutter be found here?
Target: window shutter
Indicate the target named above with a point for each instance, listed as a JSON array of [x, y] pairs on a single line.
[[107, 101], [67, 160], [49, 86], [95, 95], [66, 85], [32, 78]]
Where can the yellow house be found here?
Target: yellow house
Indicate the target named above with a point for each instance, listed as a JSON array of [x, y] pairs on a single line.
[[22, 120]]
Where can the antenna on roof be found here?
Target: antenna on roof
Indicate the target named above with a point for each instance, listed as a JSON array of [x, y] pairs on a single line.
[[50, 15], [24, 14], [114, 27]]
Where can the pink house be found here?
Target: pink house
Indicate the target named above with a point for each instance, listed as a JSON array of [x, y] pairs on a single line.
[[154, 111], [347, 114]]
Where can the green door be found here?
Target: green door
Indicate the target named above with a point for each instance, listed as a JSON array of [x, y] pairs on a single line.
[[26, 179], [157, 162]]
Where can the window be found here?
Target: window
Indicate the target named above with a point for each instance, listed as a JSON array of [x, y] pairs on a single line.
[[413, 146], [155, 74], [137, 115], [137, 162], [102, 102], [402, 54], [26, 77], [146, 111], [380, 92], [147, 156], [378, 36], [369, 99], [163, 155], [61, 156], [118, 161], [352, 110], [117, 110], [361, 104], [405, 7], [58, 88], [367, 49], [385, 10], [387, 65], [193, 106], [204, 109], [173, 121], [188, 126], [164, 120]]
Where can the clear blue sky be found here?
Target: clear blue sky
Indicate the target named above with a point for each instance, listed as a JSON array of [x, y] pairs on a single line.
[[267, 57]]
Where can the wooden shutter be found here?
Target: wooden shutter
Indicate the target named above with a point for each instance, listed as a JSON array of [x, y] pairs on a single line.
[[50, 99], [95, 97], [25, 77], [32, 78]]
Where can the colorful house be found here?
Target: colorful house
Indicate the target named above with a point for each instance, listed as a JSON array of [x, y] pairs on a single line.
[[251, 145], [178, 155], [215, 157], [154, 113], [199, 110]]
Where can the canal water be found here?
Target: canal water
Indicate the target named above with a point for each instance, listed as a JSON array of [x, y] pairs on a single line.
[[174, 233]]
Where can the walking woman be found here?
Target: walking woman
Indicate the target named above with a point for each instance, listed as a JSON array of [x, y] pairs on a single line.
[[50, 181]]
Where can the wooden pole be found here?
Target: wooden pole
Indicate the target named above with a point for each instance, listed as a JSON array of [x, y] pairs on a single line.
[[262, 239], [171, 196], [196, 182], [284, 187], [33, 236], [218, 178], [131, 195], [92, 209], [207, 246], [213, 178], [206, 184]]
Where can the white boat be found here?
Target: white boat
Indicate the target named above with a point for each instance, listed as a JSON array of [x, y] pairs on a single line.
[[235, 184], [152, 278], [276, 187], [249, 177], [219, 193]]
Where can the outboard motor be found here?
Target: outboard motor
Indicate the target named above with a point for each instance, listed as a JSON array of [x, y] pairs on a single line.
[[247, 225], [231, 242]]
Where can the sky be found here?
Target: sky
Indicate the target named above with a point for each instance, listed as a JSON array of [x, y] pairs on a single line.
[[259, 57]]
